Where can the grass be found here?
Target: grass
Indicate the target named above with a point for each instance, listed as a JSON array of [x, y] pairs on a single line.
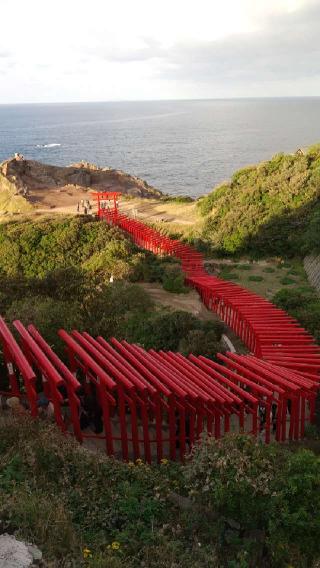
[[264, 277]]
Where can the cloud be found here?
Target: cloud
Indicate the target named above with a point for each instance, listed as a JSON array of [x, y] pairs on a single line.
[[122, 50], [287, 48], [151, 49]]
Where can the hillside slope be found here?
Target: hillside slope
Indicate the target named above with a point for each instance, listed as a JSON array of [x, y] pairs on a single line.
[[10, 200], [271, 208]]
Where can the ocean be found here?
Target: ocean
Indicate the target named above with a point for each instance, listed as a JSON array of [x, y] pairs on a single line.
[[180, 147]]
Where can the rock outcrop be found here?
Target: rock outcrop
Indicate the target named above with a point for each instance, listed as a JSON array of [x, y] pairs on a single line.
[[26, 185], [29, 175], [18, 554]]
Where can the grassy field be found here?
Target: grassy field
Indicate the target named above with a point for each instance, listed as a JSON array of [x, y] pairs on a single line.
[[264, 277], [171, 216]]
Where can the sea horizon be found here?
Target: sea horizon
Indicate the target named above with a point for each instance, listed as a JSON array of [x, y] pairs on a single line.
[[180, 146], [102, 101]]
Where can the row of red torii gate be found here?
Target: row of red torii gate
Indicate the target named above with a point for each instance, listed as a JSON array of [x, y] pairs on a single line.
[[154, 405]]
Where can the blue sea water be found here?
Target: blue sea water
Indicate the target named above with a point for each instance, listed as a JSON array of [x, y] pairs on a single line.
[[180, 147]]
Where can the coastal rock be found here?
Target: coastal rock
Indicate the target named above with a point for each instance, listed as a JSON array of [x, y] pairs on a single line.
[[17, 554], [41, 185]]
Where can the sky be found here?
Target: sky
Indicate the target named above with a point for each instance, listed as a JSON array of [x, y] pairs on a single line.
[[107, 50]]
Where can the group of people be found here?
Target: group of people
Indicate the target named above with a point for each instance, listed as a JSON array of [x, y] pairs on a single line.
[[84, 206], [90, 412], [19, 406]]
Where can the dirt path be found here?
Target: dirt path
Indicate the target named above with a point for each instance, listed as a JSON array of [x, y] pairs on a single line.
[[64, 201], [191, 303], [161, 211]]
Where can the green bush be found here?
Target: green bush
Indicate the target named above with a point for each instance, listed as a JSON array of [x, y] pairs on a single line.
[[48, 315], [200, 342], [269, 209], [303, 304], [294, 272], [177, 199], [173, 280], [294, 524], [150, 268], [255, 278], [244, 504], [286, 281], [229, 275], [256, 504], [173, 331], [268, 270], [35, 249]]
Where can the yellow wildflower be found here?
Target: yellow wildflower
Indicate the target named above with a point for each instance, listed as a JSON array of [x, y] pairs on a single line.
[[164, 461], [139, 461], [115, 545], [86, 553], [130, 464]]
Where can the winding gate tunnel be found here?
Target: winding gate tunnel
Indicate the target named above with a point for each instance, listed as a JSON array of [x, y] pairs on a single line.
[[156, 405]]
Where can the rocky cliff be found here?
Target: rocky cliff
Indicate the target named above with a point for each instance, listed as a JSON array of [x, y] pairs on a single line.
[[33, 184]]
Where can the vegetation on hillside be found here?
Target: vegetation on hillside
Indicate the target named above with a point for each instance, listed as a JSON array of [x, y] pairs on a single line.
[[236, 504], [304, 305], [34, 249], [269, 209], [10, 201], [55, 274]]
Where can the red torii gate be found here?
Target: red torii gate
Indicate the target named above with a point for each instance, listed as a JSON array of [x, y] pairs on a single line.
[[163, 400], [107, 203], [268, 331], [156, 405]]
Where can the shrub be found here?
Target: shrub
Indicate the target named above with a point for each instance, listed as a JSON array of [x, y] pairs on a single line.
[[35, 249], [268, 209], [48, 315], [302, 303], [173, 280], [172, 331], [106, 312], [294, 525], [268, 270], [257, 498], [229, 275], [200, 342], [247, 504], [255, 278], [286, 281], [177, 199]]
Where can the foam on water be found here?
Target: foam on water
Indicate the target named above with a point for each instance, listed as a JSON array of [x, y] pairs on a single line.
[[53, 145]]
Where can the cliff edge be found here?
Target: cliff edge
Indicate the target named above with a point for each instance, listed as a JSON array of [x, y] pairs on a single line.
[[27, 184]]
